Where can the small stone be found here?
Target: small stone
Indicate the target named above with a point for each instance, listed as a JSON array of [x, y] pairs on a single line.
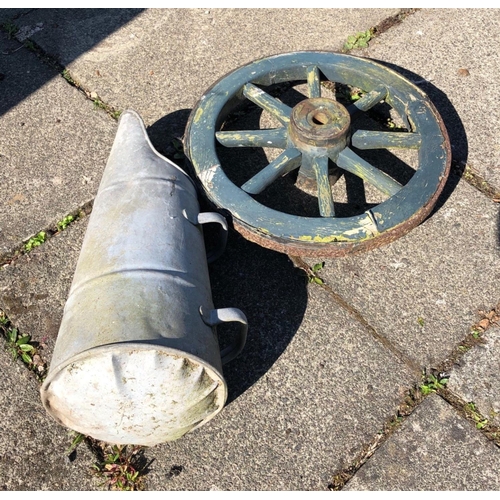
[[484, 323], [463, 72], [93, 95]]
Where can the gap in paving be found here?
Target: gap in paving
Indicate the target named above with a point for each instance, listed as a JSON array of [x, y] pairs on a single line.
[[47, 233], [391, 21], [298, 262], [52, 63], [64, 72], [415, 397], [131, 457]]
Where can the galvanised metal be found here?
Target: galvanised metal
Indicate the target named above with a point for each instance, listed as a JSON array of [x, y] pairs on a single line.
[[137, 359], [315, 135]]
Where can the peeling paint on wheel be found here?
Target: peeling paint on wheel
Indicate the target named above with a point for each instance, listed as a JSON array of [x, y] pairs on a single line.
[[405, 207]]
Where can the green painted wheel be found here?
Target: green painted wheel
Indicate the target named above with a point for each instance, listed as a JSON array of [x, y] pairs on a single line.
[[322, 135]]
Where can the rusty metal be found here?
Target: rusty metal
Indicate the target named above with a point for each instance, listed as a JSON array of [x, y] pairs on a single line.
[[319, 141]]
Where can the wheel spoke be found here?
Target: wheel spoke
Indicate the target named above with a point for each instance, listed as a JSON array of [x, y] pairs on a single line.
[[368, 100], [350, 161], [286, 162], [269, 103], [368, 139], [268, 138], [313, 82], [325, 197]]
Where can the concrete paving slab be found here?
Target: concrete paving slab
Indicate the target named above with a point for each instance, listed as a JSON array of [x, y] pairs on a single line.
[[329, 393], [33, 448], [164, 59], [445, 50], [423, 291], [476, 379], [434, 450], [53, 147], [11, 15], [310, 388], [34, 290]]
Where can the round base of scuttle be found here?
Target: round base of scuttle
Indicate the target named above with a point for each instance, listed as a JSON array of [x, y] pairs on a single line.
[[134, 393]]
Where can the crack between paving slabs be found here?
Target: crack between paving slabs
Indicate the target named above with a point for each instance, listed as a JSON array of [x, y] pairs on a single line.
[[41, 237], [378, 29], [104, 453], [51, 62], [415, 397], [476, 180], [412, 399], [417, 369]]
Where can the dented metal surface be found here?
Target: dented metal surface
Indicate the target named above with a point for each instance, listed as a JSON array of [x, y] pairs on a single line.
[[319, 129], [137, 358]]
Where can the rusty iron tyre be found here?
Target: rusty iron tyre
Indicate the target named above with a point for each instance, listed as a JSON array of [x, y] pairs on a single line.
[[317, 139]]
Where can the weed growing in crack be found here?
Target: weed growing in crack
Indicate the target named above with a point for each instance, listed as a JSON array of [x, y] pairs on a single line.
[[432, 384], [76, 441], [359, 40], [313, 276], [21, 346], [67, 76], [476, 332], [29, 45], [65, 222], [471, 410], [98, 104], [120, 468], [346, 93], [356, 95], [36, 241], [10, 28]]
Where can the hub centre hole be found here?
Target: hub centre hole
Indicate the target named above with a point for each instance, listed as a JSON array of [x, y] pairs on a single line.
[[320, 118]]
